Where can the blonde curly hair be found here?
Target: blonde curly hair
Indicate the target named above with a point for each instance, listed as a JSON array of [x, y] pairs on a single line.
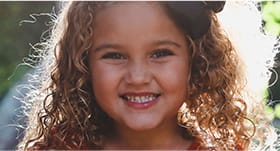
[[63, 106]]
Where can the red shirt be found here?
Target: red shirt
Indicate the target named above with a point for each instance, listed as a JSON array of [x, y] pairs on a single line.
[[63, 145]]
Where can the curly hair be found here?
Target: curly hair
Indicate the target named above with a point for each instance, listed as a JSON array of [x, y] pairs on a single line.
[[215, 111]]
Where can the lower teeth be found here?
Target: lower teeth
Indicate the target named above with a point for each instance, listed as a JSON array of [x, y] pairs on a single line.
[[139, 100]]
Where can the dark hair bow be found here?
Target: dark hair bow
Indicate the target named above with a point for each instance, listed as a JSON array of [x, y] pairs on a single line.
[[193, 15]]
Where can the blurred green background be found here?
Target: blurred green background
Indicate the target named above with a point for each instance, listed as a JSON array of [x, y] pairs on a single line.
[[21, 25], [17, 35], [19, 30], [271, 18]]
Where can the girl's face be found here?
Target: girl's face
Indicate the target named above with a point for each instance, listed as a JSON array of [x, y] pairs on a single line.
[[139, 65]]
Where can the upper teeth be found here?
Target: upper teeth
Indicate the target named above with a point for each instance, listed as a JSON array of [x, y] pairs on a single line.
[[140, 99]]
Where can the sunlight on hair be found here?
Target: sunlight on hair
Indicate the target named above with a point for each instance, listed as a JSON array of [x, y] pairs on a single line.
[[242, 22], [256, 49]]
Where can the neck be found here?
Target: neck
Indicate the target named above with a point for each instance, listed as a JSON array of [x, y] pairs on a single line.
[[167, 136]]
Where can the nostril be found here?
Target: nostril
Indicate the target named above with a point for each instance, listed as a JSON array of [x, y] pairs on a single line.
[[138, 73]]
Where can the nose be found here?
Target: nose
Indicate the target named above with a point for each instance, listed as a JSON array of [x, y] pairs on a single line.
[[138, 73]]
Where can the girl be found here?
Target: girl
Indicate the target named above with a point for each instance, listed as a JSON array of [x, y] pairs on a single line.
[[140, 75]]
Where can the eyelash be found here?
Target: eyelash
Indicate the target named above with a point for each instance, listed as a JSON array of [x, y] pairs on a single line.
[[113, 55], [156, 54], [162, 53]]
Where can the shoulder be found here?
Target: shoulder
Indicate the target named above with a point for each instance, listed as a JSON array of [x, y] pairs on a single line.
[[57, 142], [196, 145]]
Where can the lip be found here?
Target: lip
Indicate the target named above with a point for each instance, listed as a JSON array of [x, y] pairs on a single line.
[[138, 105]]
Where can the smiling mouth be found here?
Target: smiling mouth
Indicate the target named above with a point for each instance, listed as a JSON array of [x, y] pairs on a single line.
[[140, 99]]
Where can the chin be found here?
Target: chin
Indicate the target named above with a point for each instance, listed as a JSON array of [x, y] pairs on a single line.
[[142, 126]]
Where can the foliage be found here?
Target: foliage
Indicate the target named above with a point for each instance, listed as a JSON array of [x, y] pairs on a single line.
[[277, 110], [271, 16]]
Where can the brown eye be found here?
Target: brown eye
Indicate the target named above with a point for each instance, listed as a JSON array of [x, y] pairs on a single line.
[[162, 53], [113, 55]]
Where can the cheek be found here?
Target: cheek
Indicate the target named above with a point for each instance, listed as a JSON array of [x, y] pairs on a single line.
[[104, 80], [174, 78]]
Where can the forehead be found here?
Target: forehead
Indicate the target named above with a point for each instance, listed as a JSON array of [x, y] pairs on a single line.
[[129, 11], [101, 6], [142, 20]]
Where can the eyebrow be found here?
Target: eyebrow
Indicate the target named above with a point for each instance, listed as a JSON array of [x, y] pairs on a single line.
[[106, 46], [167, 42], [117, 46]]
